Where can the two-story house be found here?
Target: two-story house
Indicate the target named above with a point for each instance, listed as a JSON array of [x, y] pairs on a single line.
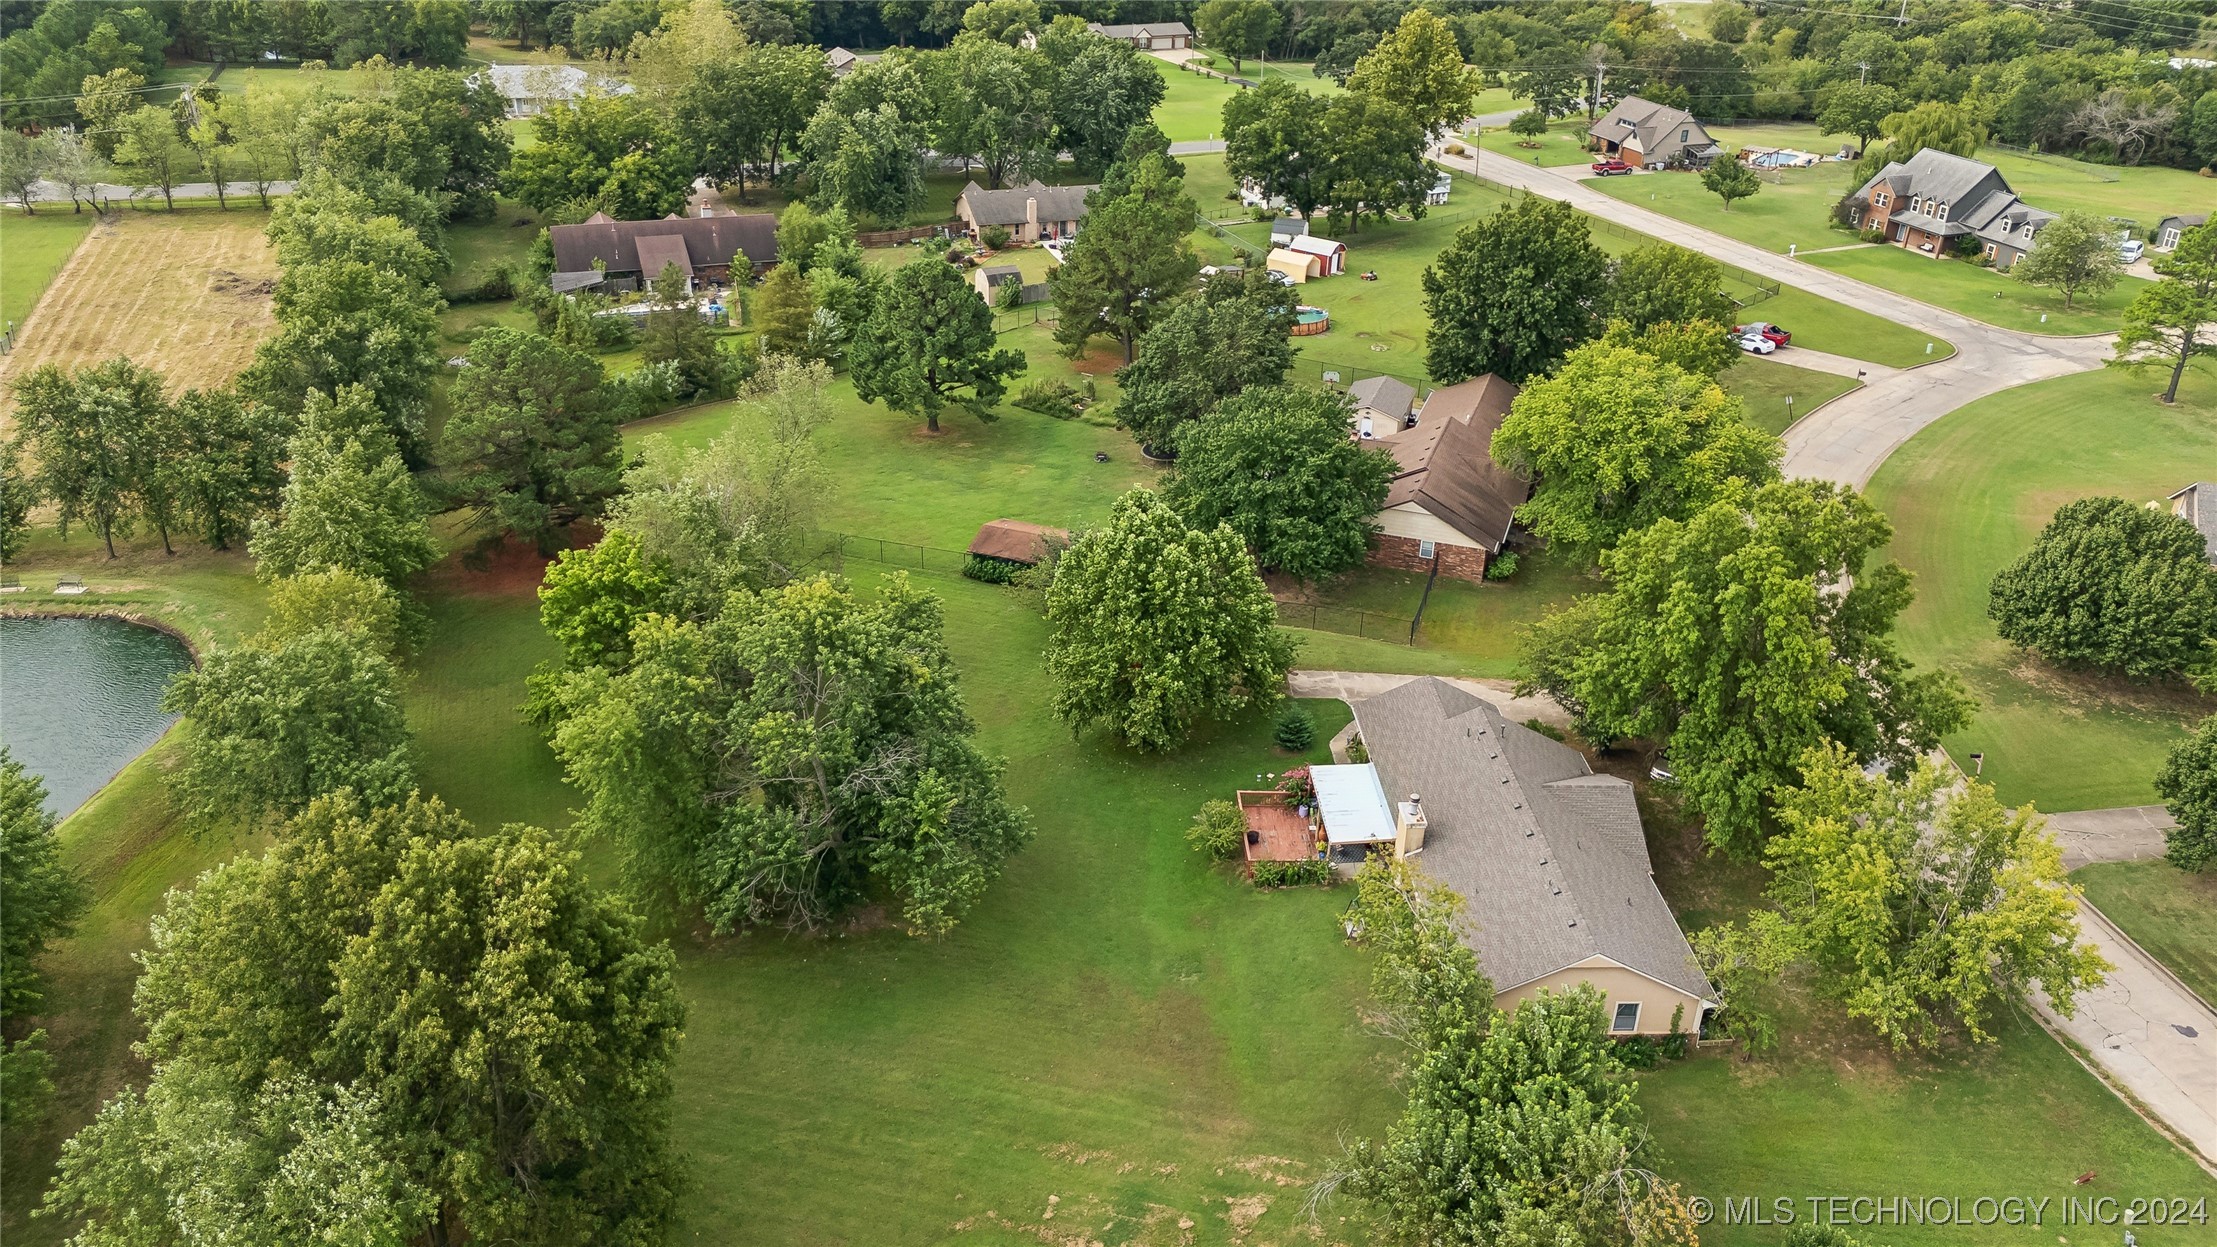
[[1932, 201]]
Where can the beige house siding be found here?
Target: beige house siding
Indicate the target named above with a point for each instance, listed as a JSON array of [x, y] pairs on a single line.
[[1620, 985]]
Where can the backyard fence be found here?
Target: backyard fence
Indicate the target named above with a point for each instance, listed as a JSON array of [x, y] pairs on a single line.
[[1041, 313], [895, 237], [1239, 244], [838, 548]]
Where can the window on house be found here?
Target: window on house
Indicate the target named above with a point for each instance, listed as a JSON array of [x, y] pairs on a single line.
[[1685, 136], [1627, 1018], [1879, 200], [1943, 212], [1989, 251], [1424, 549]]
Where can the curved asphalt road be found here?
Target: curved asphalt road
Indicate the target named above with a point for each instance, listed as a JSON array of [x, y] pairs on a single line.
[[1850, 436]]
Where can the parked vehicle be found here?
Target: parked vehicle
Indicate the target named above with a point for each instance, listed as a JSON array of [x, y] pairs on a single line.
[[1774, 334], [1610, 168], [2130, 250], [1756, 344]]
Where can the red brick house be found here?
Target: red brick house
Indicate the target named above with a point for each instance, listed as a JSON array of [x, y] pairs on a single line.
[[1934, 200], [1450, 505]]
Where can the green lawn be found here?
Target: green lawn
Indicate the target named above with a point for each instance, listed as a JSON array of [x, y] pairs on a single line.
[[1967, 496], [479, 245], [36, 246], [1765, 385], [1563, 144], [2170, 912], [1792, 208], [1300, 73], [1192, 106], [1982, 293], [1480, 624], [1820, 324]]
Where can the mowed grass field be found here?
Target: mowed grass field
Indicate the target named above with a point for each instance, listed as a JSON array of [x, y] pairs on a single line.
[[1967, 496], [186, 294], [1793, 210], [1192, 105], [1764, 385], [2170, 912], [35, 249]]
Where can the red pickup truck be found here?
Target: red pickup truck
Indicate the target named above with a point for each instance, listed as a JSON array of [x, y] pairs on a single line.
[[1608, 168], [1775, 335]]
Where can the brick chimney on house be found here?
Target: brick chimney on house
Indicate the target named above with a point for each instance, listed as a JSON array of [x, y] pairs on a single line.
[[1031, 219]]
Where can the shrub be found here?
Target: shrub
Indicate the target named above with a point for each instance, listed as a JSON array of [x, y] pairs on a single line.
[[1297, 786], [1051, 397], [644, 391], [1546, 729], [2114, 586], [1357, 751], [994, 237], [1294, 732], [1501, 566], [1639, 1052], [991, 570], [1219, 830], [1309, 872]]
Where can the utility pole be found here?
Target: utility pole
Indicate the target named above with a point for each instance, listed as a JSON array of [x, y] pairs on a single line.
[[1903, 20], [1865, 78]]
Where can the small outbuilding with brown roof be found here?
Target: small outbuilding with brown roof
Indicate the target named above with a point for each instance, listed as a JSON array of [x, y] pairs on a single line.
[[1015, 541], [1450, 506]]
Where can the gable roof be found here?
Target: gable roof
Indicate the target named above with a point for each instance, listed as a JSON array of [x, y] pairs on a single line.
[[1288, 227], [1310, 244], [1387, 394], [1447, 465], [708, 241], [1160, 30], [1549, 855], [1650, 128], [2197, 503], [1016, 541], [659, 251], [2184, 220], [1935, 174], [1008, 207]]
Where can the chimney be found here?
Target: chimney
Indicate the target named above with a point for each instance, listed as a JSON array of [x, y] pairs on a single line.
[[1408, 829], [1366, 433], [1031, 218]]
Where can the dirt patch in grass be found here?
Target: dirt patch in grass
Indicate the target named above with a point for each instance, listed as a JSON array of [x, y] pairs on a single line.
[[509, 569], [188, 295]]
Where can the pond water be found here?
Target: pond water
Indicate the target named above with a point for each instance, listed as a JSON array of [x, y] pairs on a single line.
[[79, 698]]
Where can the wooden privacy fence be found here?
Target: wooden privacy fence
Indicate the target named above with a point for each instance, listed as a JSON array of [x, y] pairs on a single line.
[[895, 237]]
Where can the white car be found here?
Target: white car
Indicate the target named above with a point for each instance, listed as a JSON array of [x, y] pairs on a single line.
[[2130, 250], [1756, 344]]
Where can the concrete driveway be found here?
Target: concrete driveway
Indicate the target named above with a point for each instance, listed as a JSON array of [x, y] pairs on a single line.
[[1853, 434]]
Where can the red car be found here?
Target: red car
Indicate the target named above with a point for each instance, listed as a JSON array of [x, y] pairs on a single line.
[[1606, 168], [1773, 334]]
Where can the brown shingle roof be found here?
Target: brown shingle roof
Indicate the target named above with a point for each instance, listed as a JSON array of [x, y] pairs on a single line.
[[709, 241], [1016, 541], [1447, 464]]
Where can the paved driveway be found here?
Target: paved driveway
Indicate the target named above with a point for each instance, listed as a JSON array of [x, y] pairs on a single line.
[[1853, 434]]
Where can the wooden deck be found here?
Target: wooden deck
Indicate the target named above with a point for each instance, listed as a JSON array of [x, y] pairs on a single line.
[[1277, 833]]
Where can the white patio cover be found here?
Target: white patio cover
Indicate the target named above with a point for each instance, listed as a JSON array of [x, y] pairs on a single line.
[[1353, 804]]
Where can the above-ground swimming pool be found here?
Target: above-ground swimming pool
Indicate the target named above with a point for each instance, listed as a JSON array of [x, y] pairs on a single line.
[[1310, 320]]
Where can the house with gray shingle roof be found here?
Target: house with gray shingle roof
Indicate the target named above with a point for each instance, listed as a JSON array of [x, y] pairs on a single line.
[[1935, 199], [1029, 212], [1648, 135], [1549, 856], [2197, 505]]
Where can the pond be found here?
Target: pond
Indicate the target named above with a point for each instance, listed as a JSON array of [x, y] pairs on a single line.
[[79, 698]]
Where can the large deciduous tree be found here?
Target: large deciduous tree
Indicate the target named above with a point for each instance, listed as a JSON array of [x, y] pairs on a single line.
[[2076, 254], [1663, 283], [929, 336], [867, 142], [1513, 293], [1234, 335], [532, 446], [392, 1028], [1920, 903], [2168, 323], [1237, 28], [1618, 439], [1377, 161], [1129, 262], [1157, 626], [1742, 636], [1106, 88], [350, 503], [1418, 65], [1277, 466], [90, 435], [2188, 785], [40, 900], [343, 323], [224, 461], [995, 106], [1856, 108], [2115, 586], [611, 151], [789, 756], [1274, 139]]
